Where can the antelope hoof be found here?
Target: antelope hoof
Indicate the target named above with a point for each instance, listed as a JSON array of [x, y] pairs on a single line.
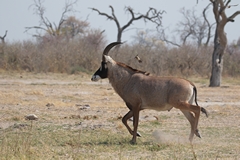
[[197, 134], [133, 142], [138, 134]]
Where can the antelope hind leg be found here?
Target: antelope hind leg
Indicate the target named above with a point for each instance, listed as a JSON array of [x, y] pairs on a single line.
[[191, 119], [197, 133], [188, 110]]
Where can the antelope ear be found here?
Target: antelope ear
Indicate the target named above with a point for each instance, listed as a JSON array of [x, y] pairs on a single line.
[[109, 59]]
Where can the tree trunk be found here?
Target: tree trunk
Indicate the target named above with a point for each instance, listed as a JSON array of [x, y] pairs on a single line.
[[119, 35], [220, 43], [220, 40], [217, 67]]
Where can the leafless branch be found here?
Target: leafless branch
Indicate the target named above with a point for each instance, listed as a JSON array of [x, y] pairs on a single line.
[[103, 14], [209, 35], [151, 15], [195, 27], [3, 37], [231, 18], [44, 23], [165, 39]]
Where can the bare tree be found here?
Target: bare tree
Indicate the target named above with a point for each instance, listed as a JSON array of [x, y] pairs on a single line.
[[220, 39], [186, 26], [45, 24], [151, 15], [194, 27], [3, 37], [191, 27]]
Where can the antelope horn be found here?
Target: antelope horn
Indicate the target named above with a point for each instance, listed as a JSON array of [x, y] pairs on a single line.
[[107, 49]]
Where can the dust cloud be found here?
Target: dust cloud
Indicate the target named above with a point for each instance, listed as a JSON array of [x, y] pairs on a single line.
[[162, 137]]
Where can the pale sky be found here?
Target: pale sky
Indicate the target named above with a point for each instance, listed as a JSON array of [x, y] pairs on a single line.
[[15, 15]]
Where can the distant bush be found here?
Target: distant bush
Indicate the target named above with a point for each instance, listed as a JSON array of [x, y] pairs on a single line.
[[232, 59], [62, 56], [84, 55]]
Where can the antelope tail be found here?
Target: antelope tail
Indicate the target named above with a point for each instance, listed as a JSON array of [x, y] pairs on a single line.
[[202, 109]]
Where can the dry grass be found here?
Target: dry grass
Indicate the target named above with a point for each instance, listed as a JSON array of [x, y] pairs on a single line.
[[83, 55], [68, 129]]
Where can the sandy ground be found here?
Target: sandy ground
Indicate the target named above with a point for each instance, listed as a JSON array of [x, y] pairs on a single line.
[[63, 99]]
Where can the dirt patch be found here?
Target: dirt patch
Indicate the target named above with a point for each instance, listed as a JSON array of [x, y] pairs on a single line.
[[59, 98], [76, 103]]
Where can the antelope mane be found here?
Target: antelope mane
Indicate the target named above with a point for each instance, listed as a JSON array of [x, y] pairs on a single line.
[[132, 69]]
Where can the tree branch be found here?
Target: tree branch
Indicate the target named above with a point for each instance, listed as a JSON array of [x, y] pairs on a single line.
[[3, 37], [36, 27], [115, 18], [231, 18], [155, 17], [165, 39], [208, 24], [222, 9], [103, 14]]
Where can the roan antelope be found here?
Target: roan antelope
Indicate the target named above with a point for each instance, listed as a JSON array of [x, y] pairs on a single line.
[[139, 90]]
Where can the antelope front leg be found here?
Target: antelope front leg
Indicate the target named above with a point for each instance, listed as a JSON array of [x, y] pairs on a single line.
[[135, 125], [124, 120]]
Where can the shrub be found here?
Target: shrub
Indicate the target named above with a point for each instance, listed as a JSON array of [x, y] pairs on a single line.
[[84, 55]]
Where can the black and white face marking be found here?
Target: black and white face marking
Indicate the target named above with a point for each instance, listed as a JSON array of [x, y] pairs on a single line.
[[101, 73]]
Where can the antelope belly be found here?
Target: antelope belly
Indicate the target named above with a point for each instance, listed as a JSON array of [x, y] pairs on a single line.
[[166, 107]]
